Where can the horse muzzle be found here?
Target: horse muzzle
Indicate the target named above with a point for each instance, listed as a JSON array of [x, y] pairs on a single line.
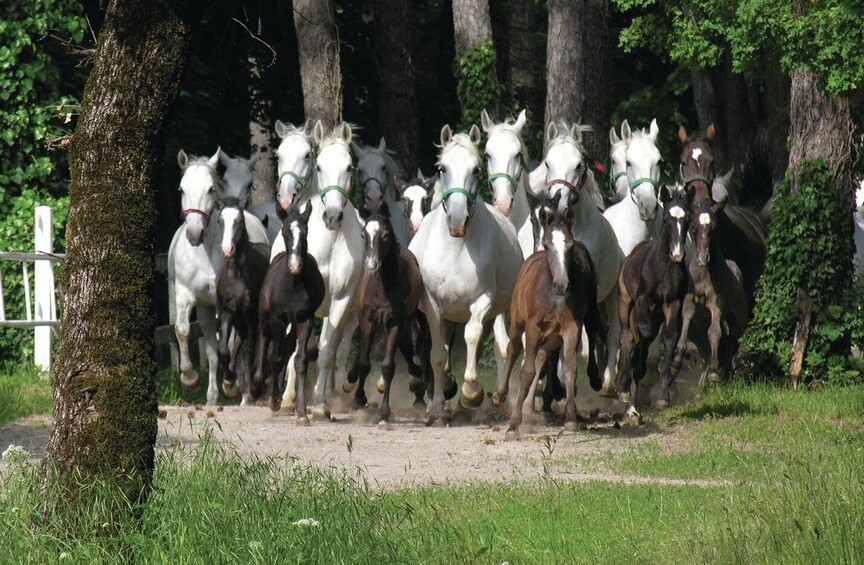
[[372, 265], [333, 222], [228, 251], [195, 236], [459, 232], [677, 257], [561, 287], [295, 265], [648, 215], [702, 259], [287, 202], [504, 206]]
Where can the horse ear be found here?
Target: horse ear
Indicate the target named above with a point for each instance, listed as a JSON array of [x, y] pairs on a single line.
[[567, 215], [576, 132], [665, 194], [308, 126], [709, 133], [682, 135], [281, 129], [446, 134], [485, 121], [613, 136], [345, 132], [551, 131], [306, 211], [474, 134], [420, 175], [358, 150], [244, 201], [429, 184], [382, 145], [555, 200], [625, 131], [225, 159], [318, 133], [182, 159], [520, 121], [400, 188], [254, 158], [653, 130], [214, 160], [533, 201]]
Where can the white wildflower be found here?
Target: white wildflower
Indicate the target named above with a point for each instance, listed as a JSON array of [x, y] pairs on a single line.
[[15, 454], [65, 555], [307, 523]]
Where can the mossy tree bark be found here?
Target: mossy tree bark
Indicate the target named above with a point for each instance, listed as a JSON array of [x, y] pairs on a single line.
[[319, 60], [105, 408]]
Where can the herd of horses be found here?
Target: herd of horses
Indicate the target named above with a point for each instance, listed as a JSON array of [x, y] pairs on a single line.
[[574, 274]]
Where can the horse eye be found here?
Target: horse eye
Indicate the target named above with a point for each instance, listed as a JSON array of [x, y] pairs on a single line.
[[318, 168]]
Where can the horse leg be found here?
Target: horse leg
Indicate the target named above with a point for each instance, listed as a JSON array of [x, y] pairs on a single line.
[[276, 359], [207, 321], [331, 336], [502, 342], [533, 357], [626, 343], [223, 352], [247, 350], [472, 392], [341, 368], [612, 338], [688, 309], [569, 352], [405, 344], [184, 302], [514, 349], [304, 331], [450, 388], [437, 358], [388, 368], [262, 367], [715, 332], [671, 315], [361, 367]]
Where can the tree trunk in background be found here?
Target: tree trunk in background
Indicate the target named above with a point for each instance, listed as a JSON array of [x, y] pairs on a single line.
[[522, 61], [471, 23], [705, 100], [320, 74], [260, 128], [104, 387], [397, 105], [578, 68], [472, 28], [821, 128]]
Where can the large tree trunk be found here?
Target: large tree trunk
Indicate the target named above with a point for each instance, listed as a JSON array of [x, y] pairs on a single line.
[[578, 67], [472, 28], [471, 23], [260, 128], [320, 74], [397, 105], [523, 59], [104, 386]]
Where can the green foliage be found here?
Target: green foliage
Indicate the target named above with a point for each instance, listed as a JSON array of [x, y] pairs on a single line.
[[17, 231], [827, 39], [23, 392], [475, 82], [809, 245]]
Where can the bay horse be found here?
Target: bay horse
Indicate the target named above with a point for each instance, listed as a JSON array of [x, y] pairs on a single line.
[[389, 296], [651, 289], [555, 294], [377, 174], [716, 294], [292, 292], [740, 232], [194, 258], [238, 287], [469, 258]]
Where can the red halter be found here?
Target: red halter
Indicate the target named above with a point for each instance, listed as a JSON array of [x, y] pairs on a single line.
[[569, 185], [206, 215]]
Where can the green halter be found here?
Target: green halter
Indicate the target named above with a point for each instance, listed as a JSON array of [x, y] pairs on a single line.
[[302, 181], [331, 188], [512, 180], [471, 197], [633, 184]]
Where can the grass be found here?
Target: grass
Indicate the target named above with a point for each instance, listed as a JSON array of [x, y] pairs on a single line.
[[786, 484], [22, 393]]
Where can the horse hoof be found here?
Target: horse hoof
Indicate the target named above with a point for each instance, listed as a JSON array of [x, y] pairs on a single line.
[[189, 380], [662, 403], [302, 421], [348, 386], [498, 400], [571, 426], [384, 425], [450, 389], [714, 377], [380, 385], [436, 422], [321, 412], [608, 392], [230, 389], [469, 402], [419, 405], [414, 383], [624, 397], [512, 434], [632, 419], [275, 404]]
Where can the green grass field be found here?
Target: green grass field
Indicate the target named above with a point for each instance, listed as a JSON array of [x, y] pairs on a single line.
[[781, 472]]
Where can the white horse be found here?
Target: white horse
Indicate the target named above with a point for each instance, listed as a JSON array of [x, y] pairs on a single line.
[[377, 172], [238, 184], [469, 258], [506, 156], [194, 258], [859, 230], [335, 240], [567, 172], [633, 218], [618, 171]]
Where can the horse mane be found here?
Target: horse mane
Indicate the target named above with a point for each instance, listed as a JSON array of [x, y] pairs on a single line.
[[218, 181], [510, 126], [333, 138]]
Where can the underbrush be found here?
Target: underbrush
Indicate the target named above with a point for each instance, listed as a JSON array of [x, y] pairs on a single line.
[[22, 393]]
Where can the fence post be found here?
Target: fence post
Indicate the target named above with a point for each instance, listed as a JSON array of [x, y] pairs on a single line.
[[44, 295]]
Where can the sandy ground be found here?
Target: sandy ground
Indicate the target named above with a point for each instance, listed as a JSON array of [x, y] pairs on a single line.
[[472, 447]]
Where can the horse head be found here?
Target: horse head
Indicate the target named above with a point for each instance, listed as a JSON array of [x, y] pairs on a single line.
[[335, 170], [557, 224], [295, 230], [705, 213], [618, 156], [200, 188], [676, 220], [458, 168], [233, 224], [378, 235], [859, 203], [238, 174], [417, 195], [376, 171], [295, 164], [505, 155], [642, 161], [697, 163], [566, 162]]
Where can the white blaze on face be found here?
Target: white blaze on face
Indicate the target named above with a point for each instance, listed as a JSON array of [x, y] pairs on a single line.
[[705, 219], [229, 218], [414, 195], [372, 228], [696, 154], [294, 258], [559, 243], [678, 213]]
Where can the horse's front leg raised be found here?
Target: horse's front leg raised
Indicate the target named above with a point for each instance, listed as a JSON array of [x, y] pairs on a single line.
[[715, 333], [472, 391], [184, 302], [207, 321]]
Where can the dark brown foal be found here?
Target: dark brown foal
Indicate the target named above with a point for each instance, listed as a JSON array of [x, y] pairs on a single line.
[[555, 294], [293, 290], [715, 295], [389, 295], [651, 288]]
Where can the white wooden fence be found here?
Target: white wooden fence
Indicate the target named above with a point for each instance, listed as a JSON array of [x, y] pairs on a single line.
[[44, 319]]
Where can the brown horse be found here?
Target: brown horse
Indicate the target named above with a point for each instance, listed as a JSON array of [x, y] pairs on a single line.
[[651, 288], [740, 232], [715, 296], [555, 294], [417, 196], [389, 295], [293, 290]]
